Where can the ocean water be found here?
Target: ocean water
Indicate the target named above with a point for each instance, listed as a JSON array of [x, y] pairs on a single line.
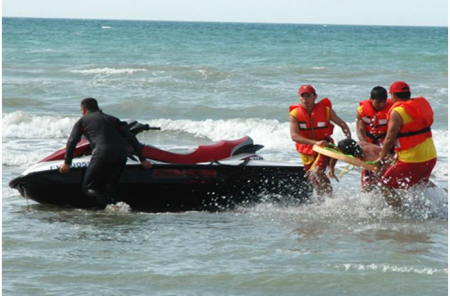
[[203, 82]]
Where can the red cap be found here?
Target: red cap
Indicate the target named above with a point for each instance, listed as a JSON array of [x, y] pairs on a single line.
[[306, 89], [399, 87]]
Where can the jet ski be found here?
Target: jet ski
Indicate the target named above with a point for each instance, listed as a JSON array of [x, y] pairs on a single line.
[[210, 177]]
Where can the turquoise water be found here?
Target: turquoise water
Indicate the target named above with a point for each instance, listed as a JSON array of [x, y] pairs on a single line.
[[207, 70], [203, 82]]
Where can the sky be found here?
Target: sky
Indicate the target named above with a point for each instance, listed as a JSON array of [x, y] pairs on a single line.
[[344, 12]]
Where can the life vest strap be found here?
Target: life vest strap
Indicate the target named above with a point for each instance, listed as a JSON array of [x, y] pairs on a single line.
[[374, 126], [376, 138], [409, 134], [314, 128]]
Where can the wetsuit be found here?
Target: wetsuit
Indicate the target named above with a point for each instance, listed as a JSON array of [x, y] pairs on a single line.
[[108, 137]]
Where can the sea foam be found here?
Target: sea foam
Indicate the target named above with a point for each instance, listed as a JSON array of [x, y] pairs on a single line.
[[22, 125], [109, 71], [48, 132], [387, 268]]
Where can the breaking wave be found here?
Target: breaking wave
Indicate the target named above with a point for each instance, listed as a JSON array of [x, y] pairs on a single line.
[[109, 71]]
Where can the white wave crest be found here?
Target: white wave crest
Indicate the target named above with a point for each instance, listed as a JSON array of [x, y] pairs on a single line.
[[22, 158], [109, 71], [28, 126], [23, 127], [440, 139], [270, 133], [392, 268]]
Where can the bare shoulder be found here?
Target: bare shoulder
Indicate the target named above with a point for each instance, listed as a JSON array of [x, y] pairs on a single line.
[[371, 151], [367, 145]]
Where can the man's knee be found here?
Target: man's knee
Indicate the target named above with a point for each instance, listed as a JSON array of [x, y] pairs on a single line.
[[90, 191], [99, 198], [390, 196], [319, 173]]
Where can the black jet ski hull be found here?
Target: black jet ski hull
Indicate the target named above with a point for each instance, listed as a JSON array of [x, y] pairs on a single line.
[[174, 187]]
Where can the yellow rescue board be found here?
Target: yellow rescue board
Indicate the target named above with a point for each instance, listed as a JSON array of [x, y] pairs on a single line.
[[343, 157]]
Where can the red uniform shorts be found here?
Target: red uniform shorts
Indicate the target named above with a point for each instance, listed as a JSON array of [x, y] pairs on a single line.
[[403, 175]]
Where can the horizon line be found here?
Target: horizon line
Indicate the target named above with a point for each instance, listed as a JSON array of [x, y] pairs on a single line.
[[220, 22]]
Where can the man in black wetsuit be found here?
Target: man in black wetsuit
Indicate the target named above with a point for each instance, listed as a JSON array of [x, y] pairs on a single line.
[[108, 137]]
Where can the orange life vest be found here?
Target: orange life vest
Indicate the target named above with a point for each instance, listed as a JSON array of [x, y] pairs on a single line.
[[315, 127], [375, 122], [419, 129]]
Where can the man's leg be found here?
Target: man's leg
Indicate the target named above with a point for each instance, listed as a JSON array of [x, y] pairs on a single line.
[[390, 196], [322, 183], [403, 175], [391, 180], [368, 180], [317, 177], [114, 178]]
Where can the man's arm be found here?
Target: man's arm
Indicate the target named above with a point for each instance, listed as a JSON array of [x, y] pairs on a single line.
[[394, 125], [74, 138], [295, 135], [133, 141], [136, 145], [336, 119], [360, 128]]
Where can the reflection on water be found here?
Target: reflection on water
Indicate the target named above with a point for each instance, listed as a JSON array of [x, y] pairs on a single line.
[[403, 236]]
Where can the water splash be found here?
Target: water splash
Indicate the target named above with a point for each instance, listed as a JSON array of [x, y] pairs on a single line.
[[119, 207], [349, 205]]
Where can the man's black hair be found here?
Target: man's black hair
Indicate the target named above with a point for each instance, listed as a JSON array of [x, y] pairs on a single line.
[[349, 146], [404, 95], [90, 104], [378, 93]]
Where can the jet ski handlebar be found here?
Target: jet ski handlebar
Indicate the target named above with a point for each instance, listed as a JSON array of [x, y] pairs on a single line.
[[136, 127]]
